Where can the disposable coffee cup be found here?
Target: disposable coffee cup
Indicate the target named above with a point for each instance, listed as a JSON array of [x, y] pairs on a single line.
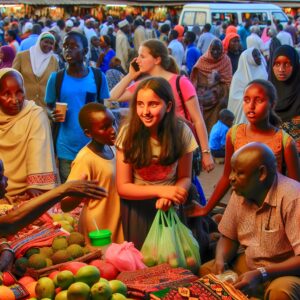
[[100, 238], [62, 108]]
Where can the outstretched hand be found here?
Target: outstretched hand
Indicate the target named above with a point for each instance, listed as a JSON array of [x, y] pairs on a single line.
[[83, 188]]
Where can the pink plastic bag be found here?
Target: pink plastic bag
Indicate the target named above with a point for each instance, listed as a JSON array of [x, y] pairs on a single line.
[[125, 257]]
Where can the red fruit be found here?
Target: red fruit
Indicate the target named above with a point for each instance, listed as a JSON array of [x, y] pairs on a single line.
[[26, 279], [57, 290], [73, 266], [7, 279], [53, 274], [107, 270]]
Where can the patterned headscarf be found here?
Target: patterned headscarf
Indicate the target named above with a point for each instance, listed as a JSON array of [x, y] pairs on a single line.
[[206, 64]]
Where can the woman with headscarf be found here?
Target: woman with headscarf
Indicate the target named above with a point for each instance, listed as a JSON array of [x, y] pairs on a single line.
[[233, 48], [211, 77], [285, 75], [251, 66], [36, 65], [7, 56], [25, 140]]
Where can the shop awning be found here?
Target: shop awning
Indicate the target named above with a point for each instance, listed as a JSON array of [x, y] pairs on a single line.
[[282, 3]]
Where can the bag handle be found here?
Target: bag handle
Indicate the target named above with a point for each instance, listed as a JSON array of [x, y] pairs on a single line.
[[181, 96]]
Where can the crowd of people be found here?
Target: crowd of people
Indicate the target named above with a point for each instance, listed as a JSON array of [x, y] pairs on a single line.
[[230, 91]]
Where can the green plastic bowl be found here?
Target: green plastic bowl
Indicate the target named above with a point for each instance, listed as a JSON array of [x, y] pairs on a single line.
[[100, 238]]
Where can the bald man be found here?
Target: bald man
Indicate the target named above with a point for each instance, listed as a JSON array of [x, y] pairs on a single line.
[[262, 216]]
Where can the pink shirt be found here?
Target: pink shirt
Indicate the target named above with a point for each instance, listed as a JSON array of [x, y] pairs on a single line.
[[187, 89], [270, 233]]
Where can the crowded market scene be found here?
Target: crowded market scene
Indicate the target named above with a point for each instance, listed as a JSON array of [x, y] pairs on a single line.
[[149, 150]]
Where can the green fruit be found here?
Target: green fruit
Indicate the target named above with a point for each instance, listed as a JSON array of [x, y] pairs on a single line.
[[59, 243], [88, 275], [21, 264], [64, 279], [57, 217], [45, 288], [103, 280], [67, 227], [118, 296], [118, 286], [60, 256], [101, 291], [49, 262], [76, 238], [46, 251], [37, 261], [32, 251], [78, 291], [75, 251], [69, 218], [63, 295]]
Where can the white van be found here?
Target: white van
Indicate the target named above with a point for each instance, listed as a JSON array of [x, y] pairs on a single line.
[[202, 13]]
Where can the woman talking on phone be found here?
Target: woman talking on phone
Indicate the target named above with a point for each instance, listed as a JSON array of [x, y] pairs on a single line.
[[154, 60]]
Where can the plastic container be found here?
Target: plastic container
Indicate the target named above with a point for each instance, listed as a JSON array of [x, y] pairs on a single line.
[[228, 276], [100, 238]]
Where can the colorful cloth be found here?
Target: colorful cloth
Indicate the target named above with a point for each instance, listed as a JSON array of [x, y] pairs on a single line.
[[207, 63]]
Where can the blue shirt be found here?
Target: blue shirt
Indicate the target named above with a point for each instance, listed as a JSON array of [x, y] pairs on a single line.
[[244, 33], [28, 42], [75, 92], [217, 137], [192, 55], [106, 60]]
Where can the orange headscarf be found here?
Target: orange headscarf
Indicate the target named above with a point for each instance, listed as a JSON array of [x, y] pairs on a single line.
[[206, 63], [180, 30], [231, 29], [227, 39]]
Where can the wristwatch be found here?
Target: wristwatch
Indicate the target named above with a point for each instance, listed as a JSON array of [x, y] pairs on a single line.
[[264, 274], [206, 151]]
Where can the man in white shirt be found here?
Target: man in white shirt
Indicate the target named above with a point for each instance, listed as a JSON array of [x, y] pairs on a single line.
[[176, 48], [122, 44], [253, 40], [139, 35], [284, 37]]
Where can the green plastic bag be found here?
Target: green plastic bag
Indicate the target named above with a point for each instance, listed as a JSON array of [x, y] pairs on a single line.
[[170, 241]]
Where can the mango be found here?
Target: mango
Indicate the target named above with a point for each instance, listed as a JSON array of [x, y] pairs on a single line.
[[118, 286], [64, 279], [101, 291], [88, 275], [45, 288], [78, 291]]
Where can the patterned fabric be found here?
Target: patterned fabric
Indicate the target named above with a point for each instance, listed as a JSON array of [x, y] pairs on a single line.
[[275, 142], [142, 282], [206, 63], [292, 127], [208, 287]]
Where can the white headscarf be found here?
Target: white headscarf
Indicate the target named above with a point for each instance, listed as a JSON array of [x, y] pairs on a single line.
[[247, 71], [39, 59]]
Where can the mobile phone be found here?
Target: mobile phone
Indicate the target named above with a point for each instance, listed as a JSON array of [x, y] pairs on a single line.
[[135, 66]]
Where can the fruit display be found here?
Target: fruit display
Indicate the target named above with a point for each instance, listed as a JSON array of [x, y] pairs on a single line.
[[63, 249], [85, 283]]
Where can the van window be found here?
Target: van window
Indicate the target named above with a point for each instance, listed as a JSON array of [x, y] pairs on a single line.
[[278, 15], [191, 18], [261, 16], [224, 17]]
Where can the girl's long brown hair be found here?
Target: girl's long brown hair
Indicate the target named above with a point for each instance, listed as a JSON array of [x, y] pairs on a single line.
[[136, 142]]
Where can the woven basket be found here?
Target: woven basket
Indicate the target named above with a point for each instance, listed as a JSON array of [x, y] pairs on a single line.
[[46, 271]]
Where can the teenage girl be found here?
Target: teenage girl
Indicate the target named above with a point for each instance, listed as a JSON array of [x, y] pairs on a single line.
[[154, 60], [263, 126], [154, 158]]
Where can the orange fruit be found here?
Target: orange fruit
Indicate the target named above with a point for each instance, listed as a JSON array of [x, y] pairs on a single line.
[[30, 287], [6, 293], [26, 279]]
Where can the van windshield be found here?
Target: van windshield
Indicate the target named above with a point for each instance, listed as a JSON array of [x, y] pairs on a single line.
[[279, 16], [262, 17], [191, 18]]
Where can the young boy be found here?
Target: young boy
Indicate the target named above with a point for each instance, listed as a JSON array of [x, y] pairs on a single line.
[[96, 161], [217, 137]]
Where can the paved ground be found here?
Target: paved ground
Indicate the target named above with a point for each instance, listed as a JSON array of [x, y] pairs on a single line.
[[209, 180]]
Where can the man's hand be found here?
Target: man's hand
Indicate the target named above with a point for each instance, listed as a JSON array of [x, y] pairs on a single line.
[[248, 282]]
